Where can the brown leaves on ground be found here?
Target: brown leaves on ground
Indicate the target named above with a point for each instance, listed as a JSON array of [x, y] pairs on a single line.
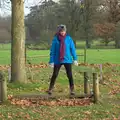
[[45, 65], [105, 65], [115, 90], [12, 115], [59, 102], [1, 115], [112, 83], [41, 65], [4, 67], [110, 78], [87, 112], [10, 97]]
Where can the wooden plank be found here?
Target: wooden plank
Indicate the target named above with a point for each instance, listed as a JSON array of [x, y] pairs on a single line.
[[54, 96], [82, 96]]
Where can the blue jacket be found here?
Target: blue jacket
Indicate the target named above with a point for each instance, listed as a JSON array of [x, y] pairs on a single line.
[[70, 51]]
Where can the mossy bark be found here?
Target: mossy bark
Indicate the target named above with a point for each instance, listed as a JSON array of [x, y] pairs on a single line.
[[18, 73]]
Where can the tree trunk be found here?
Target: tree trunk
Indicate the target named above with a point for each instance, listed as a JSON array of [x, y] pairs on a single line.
[[18, 73], [106, 41], [72, 34], [87, 23], [88, 45], [87, 40]]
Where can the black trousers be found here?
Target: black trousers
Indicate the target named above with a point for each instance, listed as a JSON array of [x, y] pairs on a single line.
[[68, 68]]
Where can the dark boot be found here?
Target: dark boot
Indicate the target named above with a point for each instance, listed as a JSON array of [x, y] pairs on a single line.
[[49, 92], [51, 87], [72, 90]]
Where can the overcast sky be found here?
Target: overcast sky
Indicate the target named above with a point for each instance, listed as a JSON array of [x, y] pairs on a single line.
[[31, 3], [6, 10]]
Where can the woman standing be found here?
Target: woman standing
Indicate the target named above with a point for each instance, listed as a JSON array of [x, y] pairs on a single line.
[[61, 53]]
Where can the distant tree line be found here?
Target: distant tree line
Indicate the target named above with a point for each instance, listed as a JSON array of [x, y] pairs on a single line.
[[86, 20]]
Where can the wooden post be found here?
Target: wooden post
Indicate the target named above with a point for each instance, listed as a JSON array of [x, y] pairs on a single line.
[[86, 83], [9, 74], [101, 74], [3, 88], [85, 55], [96, 87]]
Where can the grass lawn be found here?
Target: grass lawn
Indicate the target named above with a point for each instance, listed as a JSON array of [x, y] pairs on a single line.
[[38, 81], [93, 56], [107, 109]]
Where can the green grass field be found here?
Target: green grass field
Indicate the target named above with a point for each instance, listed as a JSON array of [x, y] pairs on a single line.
[[38, 79], [102, 55], [108, 107], [93, 56]]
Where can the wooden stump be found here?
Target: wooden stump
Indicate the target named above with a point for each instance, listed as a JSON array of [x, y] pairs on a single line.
[[96, 87], [86, 83], [3, 88]]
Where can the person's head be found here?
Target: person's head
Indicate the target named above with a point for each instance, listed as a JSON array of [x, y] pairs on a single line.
[[62, 30]]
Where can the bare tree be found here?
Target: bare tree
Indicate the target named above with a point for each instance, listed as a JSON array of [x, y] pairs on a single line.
[[112, 10]]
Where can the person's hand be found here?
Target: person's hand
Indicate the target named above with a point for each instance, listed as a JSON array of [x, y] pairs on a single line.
[[51, 65], [75, 63]]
